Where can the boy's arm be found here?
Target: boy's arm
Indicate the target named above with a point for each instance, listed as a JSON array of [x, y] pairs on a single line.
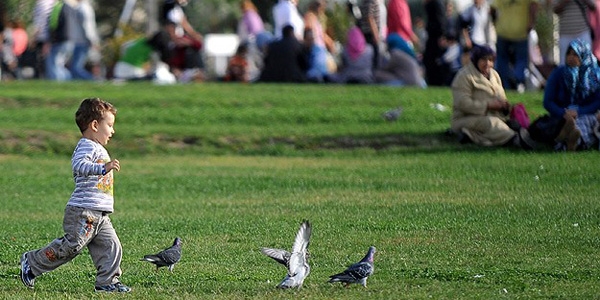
[[83, 165], [85, 162]]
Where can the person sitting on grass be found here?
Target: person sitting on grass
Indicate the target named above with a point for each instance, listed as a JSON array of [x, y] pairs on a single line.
[[86, 220], [284, 59], [402, 67], [357, 60], [572, 98], [138, 61], [480, 108], [238, 67]]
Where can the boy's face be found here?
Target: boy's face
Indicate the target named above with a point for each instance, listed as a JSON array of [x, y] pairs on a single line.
[[103, 129]]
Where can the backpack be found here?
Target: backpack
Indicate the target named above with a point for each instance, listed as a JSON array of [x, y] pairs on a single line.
[[57, 22], [545, 129]]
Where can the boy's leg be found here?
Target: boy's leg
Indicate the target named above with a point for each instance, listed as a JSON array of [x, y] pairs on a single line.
[[106, 253], [78, 224]]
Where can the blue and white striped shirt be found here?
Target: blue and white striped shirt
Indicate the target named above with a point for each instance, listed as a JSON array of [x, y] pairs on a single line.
[[93, 190]]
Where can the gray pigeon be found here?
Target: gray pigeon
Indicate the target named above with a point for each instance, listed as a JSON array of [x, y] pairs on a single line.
[[297, 261], [166, 258], [393, 114], [358, 272]]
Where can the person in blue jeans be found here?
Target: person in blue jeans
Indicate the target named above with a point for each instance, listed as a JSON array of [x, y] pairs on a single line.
[[513, 21], [512, 58], [60, 47], [82, 32]]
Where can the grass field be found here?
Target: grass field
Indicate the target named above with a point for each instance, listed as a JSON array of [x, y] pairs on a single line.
[[232, 168]]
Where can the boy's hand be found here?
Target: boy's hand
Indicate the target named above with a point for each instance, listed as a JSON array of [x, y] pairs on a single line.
[[112, 165]]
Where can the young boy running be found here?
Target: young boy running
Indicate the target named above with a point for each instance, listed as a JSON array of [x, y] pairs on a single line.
[[86, 220]]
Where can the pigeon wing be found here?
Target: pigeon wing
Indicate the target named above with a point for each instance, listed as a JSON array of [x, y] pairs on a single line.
[[298, 257], [279, 255], [354, 273], [360, 270], [155, 259], [302, 238], [170, 256]]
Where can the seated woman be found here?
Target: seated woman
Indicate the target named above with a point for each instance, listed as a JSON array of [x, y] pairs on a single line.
[[480, 108], [357, 60], [402, 68], [572, 98], [316, 59]]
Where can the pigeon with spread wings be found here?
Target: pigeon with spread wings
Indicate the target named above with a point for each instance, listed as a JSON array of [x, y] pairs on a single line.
[[296, 261]]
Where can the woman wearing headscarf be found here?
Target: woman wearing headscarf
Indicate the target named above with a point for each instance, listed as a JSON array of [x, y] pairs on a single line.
[[357, 59], [480, 108], [402, 67], [572, 97]]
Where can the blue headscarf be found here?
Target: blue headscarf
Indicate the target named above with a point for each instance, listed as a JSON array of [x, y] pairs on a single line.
[[395, 41], [584, 80]]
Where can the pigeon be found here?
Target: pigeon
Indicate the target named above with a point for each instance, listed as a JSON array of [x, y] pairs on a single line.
[[166, 258], [297, 261], [393, 114], [358, 272]]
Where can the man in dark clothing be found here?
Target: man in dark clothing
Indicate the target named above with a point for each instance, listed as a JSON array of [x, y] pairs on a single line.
[[285, 60], [436, 22]]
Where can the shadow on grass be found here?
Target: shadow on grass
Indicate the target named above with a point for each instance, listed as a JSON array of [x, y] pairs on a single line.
[[431, 142]]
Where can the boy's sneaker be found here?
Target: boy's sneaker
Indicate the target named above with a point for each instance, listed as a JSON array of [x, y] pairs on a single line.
[[26, 277], [113, 288]]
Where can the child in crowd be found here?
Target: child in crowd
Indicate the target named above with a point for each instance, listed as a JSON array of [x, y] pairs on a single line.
[[86, 220], [238, 67], [451, 59]]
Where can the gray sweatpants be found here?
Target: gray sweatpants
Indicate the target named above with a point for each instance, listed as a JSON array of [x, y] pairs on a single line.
[[83, 227]]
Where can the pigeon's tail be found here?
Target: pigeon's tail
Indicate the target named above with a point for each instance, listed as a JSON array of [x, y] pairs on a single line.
[[341, 277], [151, 258], [290, 282], [284, 285]]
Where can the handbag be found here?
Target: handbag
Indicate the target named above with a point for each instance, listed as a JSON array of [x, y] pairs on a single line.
[[518, 114]]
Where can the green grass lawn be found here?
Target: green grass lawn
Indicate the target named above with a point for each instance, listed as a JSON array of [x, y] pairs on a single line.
[[232, 168]]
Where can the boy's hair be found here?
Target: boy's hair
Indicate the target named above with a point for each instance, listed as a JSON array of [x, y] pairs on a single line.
[[92, 109]]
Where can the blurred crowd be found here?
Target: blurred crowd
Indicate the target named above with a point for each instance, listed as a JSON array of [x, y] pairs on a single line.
[[384, 44]]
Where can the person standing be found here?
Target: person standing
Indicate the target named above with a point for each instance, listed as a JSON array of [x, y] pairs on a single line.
[[60, 49], [369, 26], [399, 21], [573, 23], [432, 57], [513, 21], [285, 12], [251, 24], [476, 26], [86, 219], [83, 33], [594, 17], [41, 13]]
